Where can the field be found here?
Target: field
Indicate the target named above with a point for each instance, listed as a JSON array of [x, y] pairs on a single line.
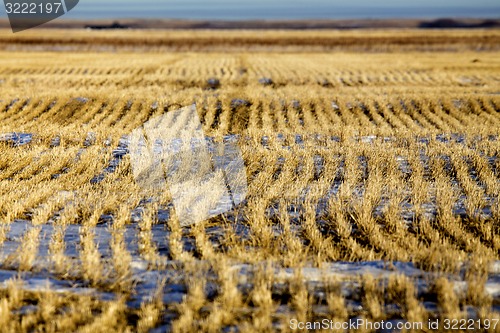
[[373, 169]]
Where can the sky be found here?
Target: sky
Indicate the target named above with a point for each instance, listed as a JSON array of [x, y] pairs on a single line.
[[262, 3], [283, 9]]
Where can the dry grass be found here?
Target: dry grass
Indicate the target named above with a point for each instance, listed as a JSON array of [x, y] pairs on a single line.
[[354, 157]]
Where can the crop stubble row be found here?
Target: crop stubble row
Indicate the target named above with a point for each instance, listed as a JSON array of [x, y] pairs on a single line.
[[401, 169]]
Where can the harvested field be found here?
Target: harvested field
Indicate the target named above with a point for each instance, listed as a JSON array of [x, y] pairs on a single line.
[[373, 183]]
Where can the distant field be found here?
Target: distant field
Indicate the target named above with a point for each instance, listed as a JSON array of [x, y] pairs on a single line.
[[372, 160], [296, 41]]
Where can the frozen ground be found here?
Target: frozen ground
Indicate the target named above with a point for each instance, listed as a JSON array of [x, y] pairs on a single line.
[[146, 278]]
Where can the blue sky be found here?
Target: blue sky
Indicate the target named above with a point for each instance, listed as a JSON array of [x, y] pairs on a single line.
[[283, 9], [292, 9], [235, 3]]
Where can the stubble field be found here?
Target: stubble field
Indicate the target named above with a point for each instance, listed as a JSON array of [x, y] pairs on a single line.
[[372, 162]]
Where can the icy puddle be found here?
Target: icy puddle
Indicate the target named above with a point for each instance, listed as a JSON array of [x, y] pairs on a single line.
[[42, 282], [16, 139]]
